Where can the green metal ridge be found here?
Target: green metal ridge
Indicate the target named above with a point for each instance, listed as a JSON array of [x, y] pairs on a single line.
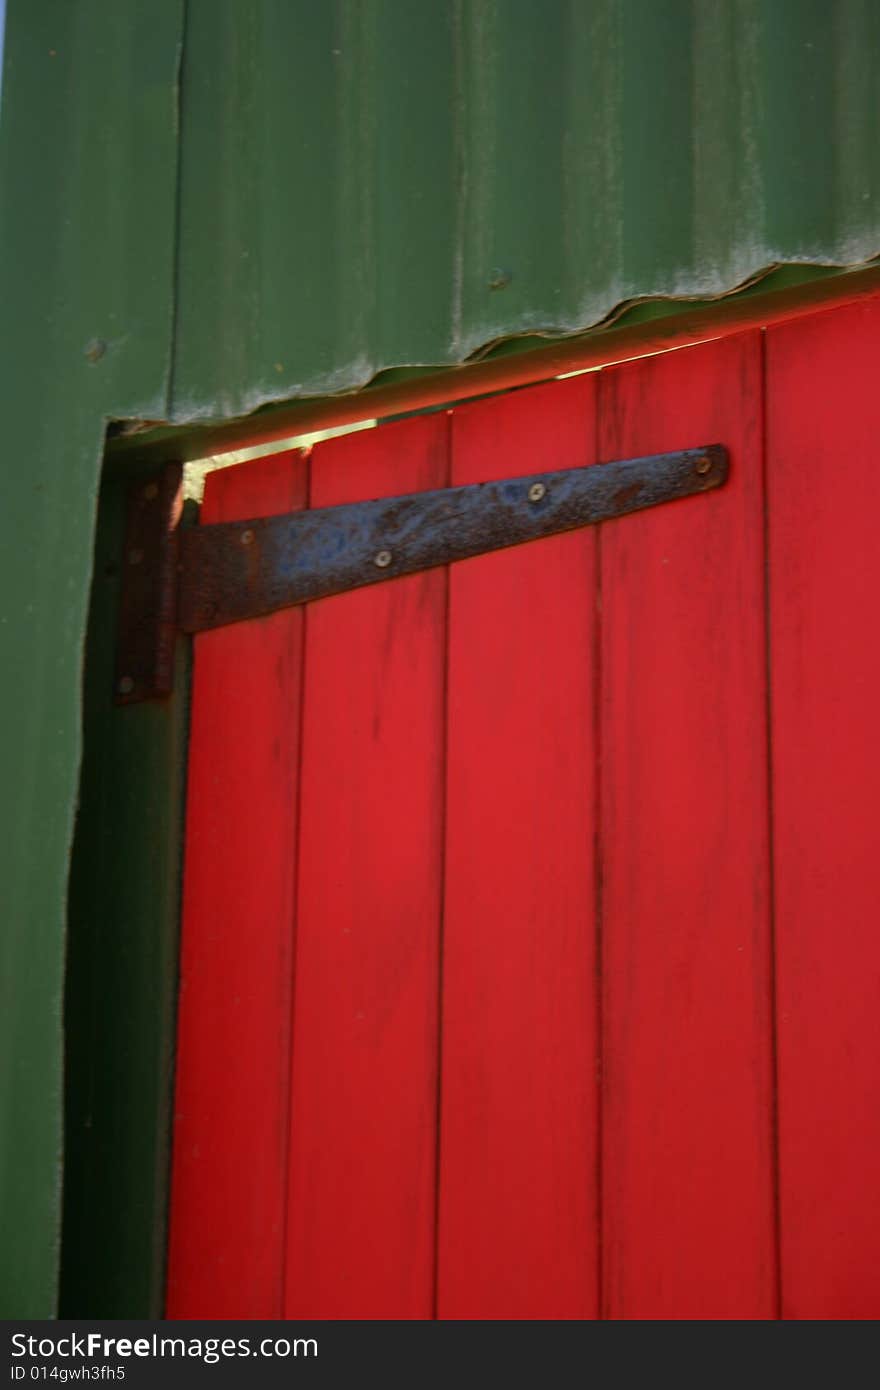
[[88, 151], [372, 184], [133, 440]]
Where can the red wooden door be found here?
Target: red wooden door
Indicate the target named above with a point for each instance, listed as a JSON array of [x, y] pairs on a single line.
[[529, 955]]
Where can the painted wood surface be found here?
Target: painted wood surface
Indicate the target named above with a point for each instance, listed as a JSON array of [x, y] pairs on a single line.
[[687, 1172], [229, 1167], [824, 564], [529, 957], [364, 1107], [517, 1221]]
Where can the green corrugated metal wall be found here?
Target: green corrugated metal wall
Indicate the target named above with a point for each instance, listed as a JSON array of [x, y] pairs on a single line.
[[357, 176], [207, 205], [88, 160]]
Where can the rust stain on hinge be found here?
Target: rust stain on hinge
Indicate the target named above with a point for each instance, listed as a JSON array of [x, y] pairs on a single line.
[[232, 571], [228, 572]]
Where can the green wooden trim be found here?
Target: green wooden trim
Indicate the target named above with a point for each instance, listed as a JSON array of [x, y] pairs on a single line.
[[121, 970]]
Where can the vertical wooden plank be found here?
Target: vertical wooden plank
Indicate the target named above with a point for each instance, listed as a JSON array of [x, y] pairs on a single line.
[[517, 1216], [231, 1101], [824, 504], [688, 1219], [363, 1135]]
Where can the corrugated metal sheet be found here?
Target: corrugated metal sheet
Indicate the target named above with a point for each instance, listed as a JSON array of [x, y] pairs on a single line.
[[88, 164], [328, 188], [372, 183]]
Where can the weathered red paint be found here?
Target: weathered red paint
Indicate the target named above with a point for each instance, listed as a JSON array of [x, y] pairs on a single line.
[[362, 1171], [824, 567], [688, 1218], [517, 1234], [529, 967], [229, 1176]]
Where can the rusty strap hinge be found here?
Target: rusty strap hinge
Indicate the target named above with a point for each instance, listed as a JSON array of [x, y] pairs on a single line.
[[209, 576]]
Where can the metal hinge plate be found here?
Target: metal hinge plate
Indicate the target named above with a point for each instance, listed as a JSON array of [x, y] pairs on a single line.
[[147, 623], [231, 571]]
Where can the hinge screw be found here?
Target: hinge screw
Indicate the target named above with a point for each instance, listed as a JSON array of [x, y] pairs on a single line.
[[247, 537], [703, 465], [126, 685], [383, 559], [536, 492]]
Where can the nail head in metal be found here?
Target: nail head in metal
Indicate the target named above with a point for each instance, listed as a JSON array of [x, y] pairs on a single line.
[[536, 492], [703, 465], [247, 537], [135, 557], [151, 491], [382, 559], [500, 278], [126, 685]]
